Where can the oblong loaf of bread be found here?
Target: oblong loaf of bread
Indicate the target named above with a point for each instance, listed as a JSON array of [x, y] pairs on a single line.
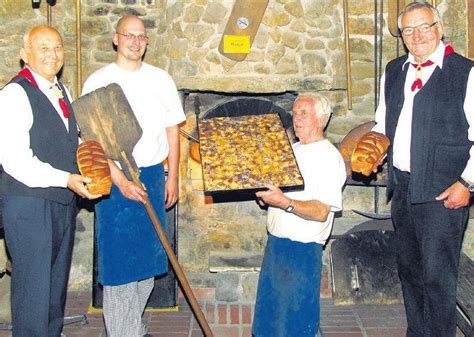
[[93, 164], [370, 148]]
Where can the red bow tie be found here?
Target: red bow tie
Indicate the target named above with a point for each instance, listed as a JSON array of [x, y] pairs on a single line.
[[26, 73], [418, 84]]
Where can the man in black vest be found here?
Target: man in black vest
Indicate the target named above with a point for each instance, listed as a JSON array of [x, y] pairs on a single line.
[[427, 111], [39, 139]]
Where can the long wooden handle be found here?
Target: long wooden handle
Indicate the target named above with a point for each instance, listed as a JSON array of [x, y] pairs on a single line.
[[178, 270], [131, 171], [347, 54]]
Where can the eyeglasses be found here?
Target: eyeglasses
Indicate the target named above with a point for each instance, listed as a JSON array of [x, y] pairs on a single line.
[[423, 28], [131, 37]]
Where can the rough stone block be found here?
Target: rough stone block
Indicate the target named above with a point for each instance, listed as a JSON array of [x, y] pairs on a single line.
[[275, 18], [122, 11], [287, 65], [275, 52], [362, 70], [227, 287], [275, 35], [361, 25], [291, 40], [298, 26], [214, 13], [193, 13], [183, 67], [198, 34], [295, 8], [249, 283], [262, 69], [313, 64], [99, 11], [178, 49], [226, 262]]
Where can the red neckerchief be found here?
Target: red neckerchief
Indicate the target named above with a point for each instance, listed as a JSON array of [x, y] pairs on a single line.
[[26, 73], [418, 84]]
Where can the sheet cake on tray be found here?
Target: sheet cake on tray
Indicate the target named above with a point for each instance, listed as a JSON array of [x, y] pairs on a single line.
[[243, 154]]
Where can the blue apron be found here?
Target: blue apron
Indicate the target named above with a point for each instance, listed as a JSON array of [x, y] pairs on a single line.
[[128, 247], [287, 303]]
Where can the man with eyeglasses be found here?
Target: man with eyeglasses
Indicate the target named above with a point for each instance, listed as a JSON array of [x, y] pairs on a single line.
[[427, 111], [129, 251]]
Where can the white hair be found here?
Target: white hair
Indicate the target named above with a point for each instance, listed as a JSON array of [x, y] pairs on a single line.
[[417, 5], [322, 106]]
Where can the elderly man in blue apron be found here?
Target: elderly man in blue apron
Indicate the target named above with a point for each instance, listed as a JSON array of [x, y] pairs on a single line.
[[299, 224]]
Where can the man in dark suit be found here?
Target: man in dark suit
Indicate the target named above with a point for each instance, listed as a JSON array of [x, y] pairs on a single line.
[[39, 139], [427, 112]]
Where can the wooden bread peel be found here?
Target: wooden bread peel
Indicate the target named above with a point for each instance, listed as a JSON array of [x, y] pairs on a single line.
[[244, 21]]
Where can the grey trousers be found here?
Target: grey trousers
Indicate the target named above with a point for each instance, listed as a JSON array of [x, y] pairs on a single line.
[[40, 236], [123, 307]]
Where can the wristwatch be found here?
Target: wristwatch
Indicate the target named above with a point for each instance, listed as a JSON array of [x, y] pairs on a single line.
[[290, 207], [466, 184]]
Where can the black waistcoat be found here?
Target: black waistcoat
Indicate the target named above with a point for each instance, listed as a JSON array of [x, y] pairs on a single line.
[[439, 134], [50, 142]]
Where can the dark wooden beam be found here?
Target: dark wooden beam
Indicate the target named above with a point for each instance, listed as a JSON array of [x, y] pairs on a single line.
[[470, 28]]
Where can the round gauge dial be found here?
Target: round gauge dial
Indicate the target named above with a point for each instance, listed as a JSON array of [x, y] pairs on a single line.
[[242, 22]]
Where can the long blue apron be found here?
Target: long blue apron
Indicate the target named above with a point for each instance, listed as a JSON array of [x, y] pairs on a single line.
[[128, 246], [287, 303]]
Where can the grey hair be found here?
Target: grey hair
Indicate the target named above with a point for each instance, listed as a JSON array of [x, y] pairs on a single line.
[[417, 5], [322, 106]]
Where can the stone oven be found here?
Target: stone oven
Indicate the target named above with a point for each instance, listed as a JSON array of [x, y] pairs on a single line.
[[226, 237]]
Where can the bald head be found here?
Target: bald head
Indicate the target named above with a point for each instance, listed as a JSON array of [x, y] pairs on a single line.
[[128, 19], [131, 41], [43, 51], [38, 31]]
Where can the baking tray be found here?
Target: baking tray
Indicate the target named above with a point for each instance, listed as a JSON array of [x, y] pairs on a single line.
[[240, 155]]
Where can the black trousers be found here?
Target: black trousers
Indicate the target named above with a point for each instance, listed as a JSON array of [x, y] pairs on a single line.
[[428, 237], [39, 235]]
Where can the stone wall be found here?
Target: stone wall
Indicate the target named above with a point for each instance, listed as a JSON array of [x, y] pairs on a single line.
[[299, 47]]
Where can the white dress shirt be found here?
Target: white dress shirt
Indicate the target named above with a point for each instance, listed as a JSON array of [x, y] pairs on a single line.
[[16, 120], [402, 140]]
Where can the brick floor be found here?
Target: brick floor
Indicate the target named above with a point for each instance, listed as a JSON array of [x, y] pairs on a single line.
[[336, 321]]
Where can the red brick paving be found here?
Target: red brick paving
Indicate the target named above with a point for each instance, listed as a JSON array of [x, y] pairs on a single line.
[[246, 314], [336, 321]]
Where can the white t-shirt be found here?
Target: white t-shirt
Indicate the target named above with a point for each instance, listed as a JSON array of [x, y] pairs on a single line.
[[154, 99], [324, 175]]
